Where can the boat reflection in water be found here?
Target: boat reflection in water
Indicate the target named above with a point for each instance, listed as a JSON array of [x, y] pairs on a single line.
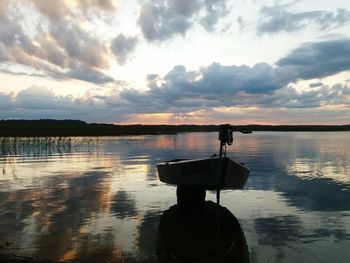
[[196, 230]]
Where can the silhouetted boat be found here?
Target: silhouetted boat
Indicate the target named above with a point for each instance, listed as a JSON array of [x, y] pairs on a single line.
[[211, 173]]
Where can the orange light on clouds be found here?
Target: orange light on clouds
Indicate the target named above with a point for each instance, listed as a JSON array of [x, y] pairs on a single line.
[[151, 118], [235, 109], [194, 117]]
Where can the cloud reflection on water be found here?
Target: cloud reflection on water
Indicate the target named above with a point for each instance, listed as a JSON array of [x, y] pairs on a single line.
[[123, 206], [107, 204], [62, 219]]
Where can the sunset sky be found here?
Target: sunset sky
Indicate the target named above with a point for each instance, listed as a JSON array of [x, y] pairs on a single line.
[[176, 61]]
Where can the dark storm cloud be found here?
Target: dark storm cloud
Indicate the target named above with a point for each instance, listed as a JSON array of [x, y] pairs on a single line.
[[162, 19], [277, 19], [317, 59], [260, 78], [122, 46]]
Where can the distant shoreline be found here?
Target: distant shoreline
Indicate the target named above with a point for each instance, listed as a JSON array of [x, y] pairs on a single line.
[[36, 128]]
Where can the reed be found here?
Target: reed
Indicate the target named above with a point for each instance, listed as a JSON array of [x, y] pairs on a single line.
[[45, 146]]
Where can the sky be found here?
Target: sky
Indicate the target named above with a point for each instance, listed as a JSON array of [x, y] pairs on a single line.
[[176, 61]]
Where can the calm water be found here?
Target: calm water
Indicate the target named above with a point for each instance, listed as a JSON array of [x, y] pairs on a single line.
[[101, 202]]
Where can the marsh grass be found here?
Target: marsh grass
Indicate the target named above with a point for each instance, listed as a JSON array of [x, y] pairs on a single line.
[[34, 146], [45, 146], [12, 148]]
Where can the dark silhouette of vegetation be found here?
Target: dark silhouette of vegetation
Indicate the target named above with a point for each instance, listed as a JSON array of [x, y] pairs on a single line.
[[296, 128], [81, 128], [32, 128]]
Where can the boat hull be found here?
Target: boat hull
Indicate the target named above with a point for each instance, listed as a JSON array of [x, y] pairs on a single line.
[[211, 174]]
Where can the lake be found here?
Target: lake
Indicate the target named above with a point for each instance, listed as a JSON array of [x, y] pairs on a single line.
[[99, 199]]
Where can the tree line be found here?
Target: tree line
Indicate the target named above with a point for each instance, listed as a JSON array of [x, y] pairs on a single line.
[[49, 127]]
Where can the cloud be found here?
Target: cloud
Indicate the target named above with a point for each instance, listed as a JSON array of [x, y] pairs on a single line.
[[288, 97], [61, 47], [317, 59], [277, 18], [261, 85], [241, 23], [105, 5], [117, 106], [5, 101], [182, 92], [88, 74], [123, 205], [53, 10], [61, 9], [162, 19], [217, 85], [316, 84], [122, 46], [215, 9], [260, 78], [10, 31], [36, 98], [80, 46], [279, 231], [42, 103], [159, 21]]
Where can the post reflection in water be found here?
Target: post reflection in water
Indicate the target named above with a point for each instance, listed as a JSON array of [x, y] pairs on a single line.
[[195, 230]]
